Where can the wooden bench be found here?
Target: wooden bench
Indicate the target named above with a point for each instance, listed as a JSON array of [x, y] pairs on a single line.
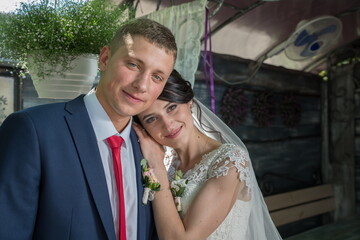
[[300, 204], [296, 205]]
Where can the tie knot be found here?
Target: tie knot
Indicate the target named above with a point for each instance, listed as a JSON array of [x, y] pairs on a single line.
[[115, 141]]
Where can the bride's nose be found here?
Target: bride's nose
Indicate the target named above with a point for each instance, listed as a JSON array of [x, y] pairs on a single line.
[[168, 122]]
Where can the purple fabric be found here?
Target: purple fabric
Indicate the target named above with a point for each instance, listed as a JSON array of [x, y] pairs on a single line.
[[209, 74]]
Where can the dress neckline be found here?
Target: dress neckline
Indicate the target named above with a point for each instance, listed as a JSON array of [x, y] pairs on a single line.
[[196, 165]]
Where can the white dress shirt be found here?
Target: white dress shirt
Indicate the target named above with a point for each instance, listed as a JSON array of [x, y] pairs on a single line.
[[104, 128]]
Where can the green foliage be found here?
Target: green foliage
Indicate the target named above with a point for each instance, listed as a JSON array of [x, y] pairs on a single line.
[[178, 175], [59, 30], [149, 178], [155, 186], [144, 165], [178, 185]]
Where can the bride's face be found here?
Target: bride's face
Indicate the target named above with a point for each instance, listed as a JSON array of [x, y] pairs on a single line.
[[168, 123]]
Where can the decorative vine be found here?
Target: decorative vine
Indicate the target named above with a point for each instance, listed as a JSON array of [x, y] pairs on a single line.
[[265, 107], [234, 106], [263, 110], [290, 110]]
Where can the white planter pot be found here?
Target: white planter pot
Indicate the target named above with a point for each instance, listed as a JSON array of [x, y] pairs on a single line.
[[67, 85]]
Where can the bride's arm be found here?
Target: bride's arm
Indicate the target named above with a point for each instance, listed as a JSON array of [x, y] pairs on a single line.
[[208, 209], [154, 153]]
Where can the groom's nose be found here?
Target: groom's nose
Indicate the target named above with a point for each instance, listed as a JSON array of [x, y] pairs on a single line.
[[141, 82]]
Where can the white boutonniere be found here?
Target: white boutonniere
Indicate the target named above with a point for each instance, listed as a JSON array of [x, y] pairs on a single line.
[[151, 184], [178, 186]]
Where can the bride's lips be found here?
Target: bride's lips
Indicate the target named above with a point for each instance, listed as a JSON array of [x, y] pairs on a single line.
[[132, 98], [174, 133]]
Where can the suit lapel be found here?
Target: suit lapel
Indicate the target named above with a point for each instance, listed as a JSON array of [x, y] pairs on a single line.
[[86, 144], [143, 219]]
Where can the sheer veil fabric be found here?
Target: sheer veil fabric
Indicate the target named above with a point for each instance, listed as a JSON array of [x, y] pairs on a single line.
[[260, 225]]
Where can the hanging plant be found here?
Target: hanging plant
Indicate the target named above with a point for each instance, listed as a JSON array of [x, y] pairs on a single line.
[[290, 110], [234, 106], [57, 31], [263, 110]]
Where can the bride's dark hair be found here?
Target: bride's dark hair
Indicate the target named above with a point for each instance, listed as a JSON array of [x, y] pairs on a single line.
[[178, 90]]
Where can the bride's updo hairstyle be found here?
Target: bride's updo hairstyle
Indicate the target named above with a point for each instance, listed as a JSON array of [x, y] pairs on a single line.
[[178, 90]]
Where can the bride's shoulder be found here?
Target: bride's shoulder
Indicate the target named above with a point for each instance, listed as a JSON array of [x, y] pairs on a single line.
[[229, 156], [233, 153], [232, 149]]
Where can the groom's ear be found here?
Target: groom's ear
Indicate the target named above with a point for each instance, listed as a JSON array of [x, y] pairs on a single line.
[[104, 57]]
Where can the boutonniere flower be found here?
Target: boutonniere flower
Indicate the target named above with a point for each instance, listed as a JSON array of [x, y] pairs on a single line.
[[151, 184], [178, 186]]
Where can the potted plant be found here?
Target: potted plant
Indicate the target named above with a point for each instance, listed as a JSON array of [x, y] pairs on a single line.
[[46, 38]]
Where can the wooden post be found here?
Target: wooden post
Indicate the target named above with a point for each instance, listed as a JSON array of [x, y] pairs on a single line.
[[326, 168], [342, 139]]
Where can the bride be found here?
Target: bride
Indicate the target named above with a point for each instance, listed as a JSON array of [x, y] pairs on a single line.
[[221, 199]]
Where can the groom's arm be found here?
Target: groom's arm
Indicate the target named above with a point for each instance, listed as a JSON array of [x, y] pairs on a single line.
[[19, 177]]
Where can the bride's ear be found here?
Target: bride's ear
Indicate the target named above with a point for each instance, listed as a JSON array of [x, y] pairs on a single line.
[[190, 105]]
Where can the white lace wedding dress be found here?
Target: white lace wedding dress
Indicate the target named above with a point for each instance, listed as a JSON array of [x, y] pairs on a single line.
[[217, 164]]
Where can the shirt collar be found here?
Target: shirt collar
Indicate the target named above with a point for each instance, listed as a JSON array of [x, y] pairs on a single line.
[[102, 124]]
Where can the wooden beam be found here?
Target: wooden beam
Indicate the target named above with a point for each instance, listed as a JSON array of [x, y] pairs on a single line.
[[293, 214], [235, 70], [342, 140], [284, 200]]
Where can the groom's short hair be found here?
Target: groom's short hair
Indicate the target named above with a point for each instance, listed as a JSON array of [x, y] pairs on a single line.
[[151, 30]]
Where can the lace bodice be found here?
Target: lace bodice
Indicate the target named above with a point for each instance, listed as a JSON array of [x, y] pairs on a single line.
[[217, 164]]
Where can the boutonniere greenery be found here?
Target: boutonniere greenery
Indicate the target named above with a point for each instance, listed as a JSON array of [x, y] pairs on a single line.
[[150, 182], [178, 186]]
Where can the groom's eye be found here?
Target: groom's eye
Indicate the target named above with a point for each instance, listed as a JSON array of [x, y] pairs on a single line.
[[157, 78], [132, 65]]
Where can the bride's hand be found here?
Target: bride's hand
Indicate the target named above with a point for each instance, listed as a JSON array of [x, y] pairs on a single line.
[[153, 152]]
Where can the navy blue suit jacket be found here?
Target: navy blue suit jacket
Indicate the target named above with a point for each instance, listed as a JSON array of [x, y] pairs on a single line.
[[52, 182]]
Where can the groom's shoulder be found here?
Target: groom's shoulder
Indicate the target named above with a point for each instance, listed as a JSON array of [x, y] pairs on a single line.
[[50, 110], [54, 106]]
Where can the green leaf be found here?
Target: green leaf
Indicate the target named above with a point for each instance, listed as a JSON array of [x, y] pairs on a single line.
[[143, 164], [180, 192], [178, 175]]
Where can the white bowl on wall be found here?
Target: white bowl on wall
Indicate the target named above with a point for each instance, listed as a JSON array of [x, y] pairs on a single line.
[[67, 85]]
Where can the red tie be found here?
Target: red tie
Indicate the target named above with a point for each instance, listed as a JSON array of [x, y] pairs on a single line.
[[115, 144]]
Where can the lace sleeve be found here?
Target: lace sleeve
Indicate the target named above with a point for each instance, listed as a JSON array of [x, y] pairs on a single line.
[[231, 156]]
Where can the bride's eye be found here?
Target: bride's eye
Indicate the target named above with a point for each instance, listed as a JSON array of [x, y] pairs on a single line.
[[171, 107], [150, 120]]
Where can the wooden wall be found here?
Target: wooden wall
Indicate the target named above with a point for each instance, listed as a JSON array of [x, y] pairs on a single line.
[[284, 158], [341, 162], [356, 78], [357, 150]]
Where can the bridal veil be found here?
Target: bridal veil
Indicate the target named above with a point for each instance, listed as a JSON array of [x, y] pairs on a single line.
[[260, 225]]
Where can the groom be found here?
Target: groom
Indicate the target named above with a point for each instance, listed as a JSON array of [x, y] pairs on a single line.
[[56, 167]]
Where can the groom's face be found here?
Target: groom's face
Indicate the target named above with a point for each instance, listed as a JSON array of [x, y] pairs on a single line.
[[132, 77]]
